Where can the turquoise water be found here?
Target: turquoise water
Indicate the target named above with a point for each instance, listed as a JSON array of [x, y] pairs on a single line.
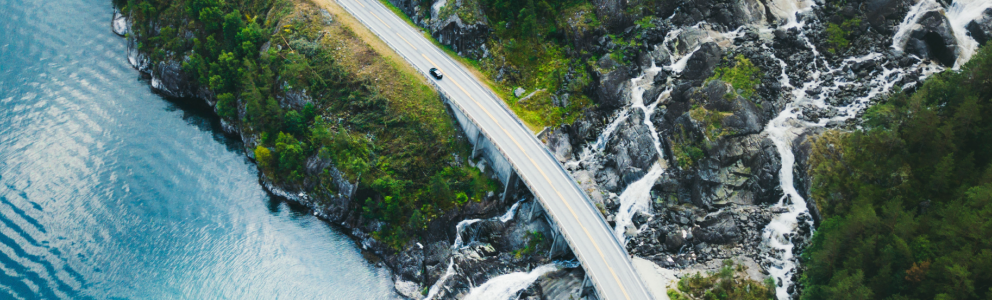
[[109, 191]]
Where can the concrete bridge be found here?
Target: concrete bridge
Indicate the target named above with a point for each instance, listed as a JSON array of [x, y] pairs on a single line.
[[515, 154]]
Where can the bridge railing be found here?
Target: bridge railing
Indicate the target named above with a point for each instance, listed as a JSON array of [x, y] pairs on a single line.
[[447, 98]]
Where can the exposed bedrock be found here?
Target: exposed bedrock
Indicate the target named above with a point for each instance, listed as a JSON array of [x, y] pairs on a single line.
[[934, 38], [981, 29]]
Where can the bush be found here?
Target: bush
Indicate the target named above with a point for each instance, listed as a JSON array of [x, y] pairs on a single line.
[[837, 34], [290, 154], [730, 282], [264, 158], [743, 75], [227, 106]]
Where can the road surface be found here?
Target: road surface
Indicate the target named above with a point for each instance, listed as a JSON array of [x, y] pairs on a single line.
[[590, 237]]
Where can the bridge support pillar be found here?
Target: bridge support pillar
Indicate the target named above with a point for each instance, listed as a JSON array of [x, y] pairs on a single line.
[[533, 206], [588, 291], [476, 148], [511, 186]]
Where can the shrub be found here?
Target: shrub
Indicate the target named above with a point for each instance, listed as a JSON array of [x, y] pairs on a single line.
[[743, 75], [264, 158]]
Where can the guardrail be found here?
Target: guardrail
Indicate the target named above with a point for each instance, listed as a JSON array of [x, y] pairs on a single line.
[[447, 98]]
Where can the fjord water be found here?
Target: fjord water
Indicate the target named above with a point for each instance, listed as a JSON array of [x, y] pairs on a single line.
[[110, 191]]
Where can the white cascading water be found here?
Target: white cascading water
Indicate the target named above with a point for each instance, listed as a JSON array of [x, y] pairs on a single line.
[[635, 198], [432, 292], [460, 227], [788, 125], [959, 14], [505, 287], [785, 127], [506, 217]]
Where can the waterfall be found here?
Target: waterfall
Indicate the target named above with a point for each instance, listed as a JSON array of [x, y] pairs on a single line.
[[787, 125], [637, 197], [506, 217], [507, 286], [958, 14], [440, 282], [460, 227], [787, 9], [782, 131]]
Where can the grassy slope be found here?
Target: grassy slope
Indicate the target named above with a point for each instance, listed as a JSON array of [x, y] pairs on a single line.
[[389, 133]]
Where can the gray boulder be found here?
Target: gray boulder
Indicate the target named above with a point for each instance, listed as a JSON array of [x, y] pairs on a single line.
[[613, 85], [934, 39], [703, 61], [465, 36], [717, 229], [981, 28], [632, 150]]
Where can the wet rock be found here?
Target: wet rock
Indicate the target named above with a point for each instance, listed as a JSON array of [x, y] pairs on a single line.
[[720, 228], [120, 23], [675, 240], [981, 28], [934, 39], [613, 86], [882, 12], [563, 284], [169, 79], [633, 151], [701, 64]]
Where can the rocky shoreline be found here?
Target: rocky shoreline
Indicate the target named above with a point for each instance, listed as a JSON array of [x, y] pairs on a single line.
[[491, 243]]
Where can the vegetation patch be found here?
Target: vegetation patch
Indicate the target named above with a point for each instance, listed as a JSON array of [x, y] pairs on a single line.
[[468, 11], [837, 35], [685, 150], [907, 200], [730, 282], [743, 75], [320, 91], [535, 242], [711, 121]]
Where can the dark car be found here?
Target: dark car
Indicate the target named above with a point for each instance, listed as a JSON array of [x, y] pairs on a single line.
[[436, 73]]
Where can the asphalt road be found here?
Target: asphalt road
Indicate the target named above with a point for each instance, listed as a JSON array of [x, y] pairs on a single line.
[[589, 236]]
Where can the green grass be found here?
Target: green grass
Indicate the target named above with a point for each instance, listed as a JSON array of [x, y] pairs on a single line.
[[743, 75], [541, 64]]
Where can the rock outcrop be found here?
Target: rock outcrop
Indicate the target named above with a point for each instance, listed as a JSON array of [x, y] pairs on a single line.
[[981, 29], [934, 39]]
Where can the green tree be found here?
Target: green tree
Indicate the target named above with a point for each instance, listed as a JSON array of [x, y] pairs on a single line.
[[291, 156], [264, 158], [227, 106]]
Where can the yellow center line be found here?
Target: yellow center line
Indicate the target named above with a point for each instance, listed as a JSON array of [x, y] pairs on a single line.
[[539, 169], [360, 3], [380, 20], [407, 42]]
